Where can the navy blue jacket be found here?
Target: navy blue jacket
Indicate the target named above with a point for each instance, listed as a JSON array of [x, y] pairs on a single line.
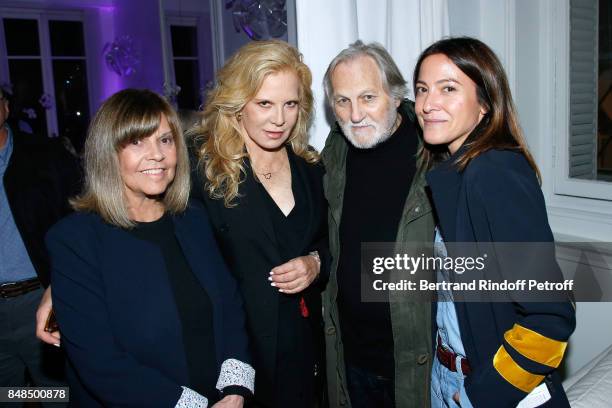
[[120, 325], [511, 346]]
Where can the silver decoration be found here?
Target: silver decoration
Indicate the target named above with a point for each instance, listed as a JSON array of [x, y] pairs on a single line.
[[29, 112], [171, 91], [46, 101], [259, 19], [121, 56]]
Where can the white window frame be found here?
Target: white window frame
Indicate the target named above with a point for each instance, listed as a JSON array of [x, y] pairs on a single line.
[[574, 214], [42, 16], [563, 184], [189, 20]]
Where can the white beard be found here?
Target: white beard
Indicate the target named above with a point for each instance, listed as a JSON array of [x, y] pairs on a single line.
[[382, 131]]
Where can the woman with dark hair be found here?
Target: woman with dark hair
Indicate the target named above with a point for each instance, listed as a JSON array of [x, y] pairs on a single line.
[[485, 188], [150, 316], [262, 186]]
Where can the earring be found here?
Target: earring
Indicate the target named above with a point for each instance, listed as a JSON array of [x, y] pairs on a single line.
[[239, 116]]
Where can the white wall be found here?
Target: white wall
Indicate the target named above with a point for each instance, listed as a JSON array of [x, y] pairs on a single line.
[[491, 21], [464, 17], [525, 35]]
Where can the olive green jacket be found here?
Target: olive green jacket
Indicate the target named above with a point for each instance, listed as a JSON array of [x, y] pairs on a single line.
[[411, 321]]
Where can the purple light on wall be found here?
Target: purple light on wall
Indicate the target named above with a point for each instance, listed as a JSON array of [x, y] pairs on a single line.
[[108, 83], [140, 20], [121, 56]]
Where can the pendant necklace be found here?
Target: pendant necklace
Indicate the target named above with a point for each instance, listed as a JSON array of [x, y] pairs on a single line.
[[268, 174]]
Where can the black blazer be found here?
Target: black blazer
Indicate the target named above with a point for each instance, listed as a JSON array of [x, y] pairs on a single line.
[[120, 325], [497, 198], [40, 177], [248, 243]]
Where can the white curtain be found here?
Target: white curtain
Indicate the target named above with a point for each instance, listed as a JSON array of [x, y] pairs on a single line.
[[325, 27]]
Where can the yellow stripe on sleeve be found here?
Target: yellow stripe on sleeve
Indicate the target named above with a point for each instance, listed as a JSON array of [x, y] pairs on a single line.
[[513, 373], [535, 346]]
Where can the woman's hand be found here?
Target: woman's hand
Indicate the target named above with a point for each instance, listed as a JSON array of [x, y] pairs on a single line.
[[296, 275], [44, 308], [230, 401]]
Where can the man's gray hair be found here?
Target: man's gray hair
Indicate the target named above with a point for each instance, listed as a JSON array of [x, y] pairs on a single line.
[[393, 81]]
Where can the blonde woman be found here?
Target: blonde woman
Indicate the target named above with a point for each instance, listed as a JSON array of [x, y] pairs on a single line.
[[150, 316], [262, 186]]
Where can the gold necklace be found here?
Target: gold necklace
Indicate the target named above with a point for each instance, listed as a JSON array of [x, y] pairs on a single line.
[[268, 174]]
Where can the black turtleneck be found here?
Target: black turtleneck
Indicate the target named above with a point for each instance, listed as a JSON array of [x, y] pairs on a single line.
[[378, 181]]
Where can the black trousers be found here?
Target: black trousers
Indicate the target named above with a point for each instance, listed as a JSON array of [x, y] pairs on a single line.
[[369, 390]]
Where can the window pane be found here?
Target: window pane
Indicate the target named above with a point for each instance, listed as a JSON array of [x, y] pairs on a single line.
[[184, 41], [21, 37], [26, 77], [71, 100], [604, 126], [66, 38], [187, 77]]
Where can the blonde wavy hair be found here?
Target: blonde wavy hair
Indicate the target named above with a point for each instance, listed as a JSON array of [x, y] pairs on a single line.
[[221, 148], [128, 115]]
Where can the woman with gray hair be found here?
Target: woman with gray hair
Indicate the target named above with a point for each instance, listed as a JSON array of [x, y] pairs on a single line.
[[150, 315]]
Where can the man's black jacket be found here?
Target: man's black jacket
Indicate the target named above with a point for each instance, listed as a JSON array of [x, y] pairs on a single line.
[[40, 177]]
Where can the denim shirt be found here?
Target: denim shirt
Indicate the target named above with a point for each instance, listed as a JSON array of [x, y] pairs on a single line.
[[15, 264], [446, 316]]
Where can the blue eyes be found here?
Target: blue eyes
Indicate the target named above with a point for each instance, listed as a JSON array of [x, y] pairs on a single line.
[[266, 104]]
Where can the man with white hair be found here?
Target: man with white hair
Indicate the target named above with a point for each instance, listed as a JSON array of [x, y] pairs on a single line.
[[378, 353]]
